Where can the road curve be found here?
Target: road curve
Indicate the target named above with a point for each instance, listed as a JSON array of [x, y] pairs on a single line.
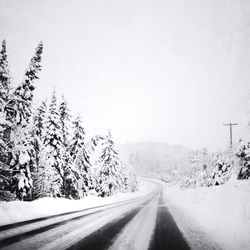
[[141, 223]]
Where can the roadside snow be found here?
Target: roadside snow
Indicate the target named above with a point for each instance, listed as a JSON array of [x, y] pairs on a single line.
[[17, 211], [218, 214]]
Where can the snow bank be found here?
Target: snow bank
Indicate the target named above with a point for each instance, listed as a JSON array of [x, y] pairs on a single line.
[[220, 214], [16, 211]]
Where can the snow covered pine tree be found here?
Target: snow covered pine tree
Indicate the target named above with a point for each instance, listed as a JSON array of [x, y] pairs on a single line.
[[79, 158], [110, 176], [65, 121], [39, 172], [18, 112], [21, 132], [243, 153], [223, 168], [53, 143], [5, 86], [69, 179]]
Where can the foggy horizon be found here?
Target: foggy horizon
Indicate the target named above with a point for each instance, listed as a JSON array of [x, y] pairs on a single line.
[[163, 71]]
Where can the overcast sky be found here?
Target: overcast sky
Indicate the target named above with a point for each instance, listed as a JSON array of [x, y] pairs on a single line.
[[161, 70]]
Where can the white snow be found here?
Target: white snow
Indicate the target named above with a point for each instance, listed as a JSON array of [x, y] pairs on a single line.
[[16, 211], [23, 157], [67, 235], [142, 225], [209, 218], [213, 216]]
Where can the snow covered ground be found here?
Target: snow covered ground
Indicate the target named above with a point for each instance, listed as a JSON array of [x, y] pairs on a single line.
[[213, 218], [209, 218], [16, 211]]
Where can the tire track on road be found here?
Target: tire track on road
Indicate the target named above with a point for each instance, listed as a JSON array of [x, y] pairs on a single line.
[[167, 235], [103, 238]]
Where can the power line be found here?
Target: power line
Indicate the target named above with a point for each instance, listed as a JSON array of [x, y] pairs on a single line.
[[231, 131]]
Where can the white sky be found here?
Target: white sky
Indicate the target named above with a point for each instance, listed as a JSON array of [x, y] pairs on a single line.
[[161, 70]]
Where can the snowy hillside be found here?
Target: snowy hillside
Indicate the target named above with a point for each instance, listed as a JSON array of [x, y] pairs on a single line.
[[222, 212], [157, 157]]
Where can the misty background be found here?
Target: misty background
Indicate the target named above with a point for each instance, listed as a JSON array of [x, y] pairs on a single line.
[[159, 71]]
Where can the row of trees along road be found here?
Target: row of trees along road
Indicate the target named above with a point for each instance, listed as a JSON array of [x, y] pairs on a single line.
[[43, 151]]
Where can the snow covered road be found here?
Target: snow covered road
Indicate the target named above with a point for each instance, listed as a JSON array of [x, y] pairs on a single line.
[[139, 223]]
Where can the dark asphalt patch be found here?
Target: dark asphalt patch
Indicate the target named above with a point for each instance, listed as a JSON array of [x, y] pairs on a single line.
[[167, 235]]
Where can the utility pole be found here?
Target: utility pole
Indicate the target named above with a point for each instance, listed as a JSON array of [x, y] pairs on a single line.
[[231, 131]]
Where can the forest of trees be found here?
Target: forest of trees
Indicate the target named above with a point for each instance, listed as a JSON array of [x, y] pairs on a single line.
[[210, 169], [43, 150]]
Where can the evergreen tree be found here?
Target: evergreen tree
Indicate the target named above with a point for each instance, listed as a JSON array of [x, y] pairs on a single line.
[[79, 158], [65, 121], [125, 180], [39, 120], [18, 113], [223, 168], [53, 143], [110, 179], [69, 178], [132, 182], [39, 173], [4, 74], [38, 129], [4, 96], [199, 171], [24, 92], [22, 103], [243, 153], [5, 125]]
